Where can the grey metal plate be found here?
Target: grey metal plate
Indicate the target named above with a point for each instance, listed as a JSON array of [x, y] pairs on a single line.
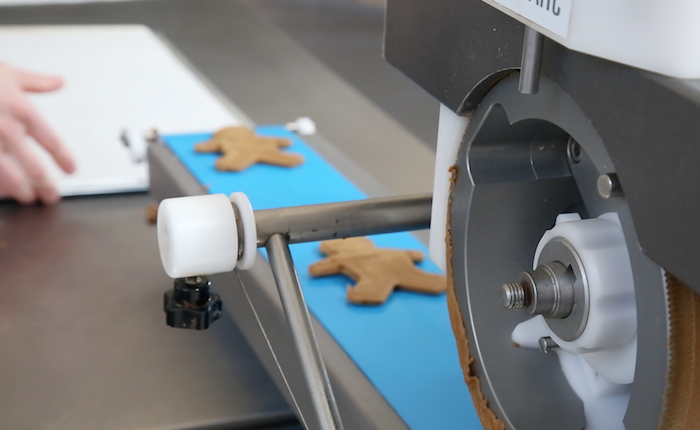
[[647, 122]]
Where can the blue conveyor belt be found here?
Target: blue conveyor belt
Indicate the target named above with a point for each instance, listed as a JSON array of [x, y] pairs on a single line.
[[404, 347]]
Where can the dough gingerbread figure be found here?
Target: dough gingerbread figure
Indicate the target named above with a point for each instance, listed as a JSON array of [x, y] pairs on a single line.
[[242, 147], [377, 270]]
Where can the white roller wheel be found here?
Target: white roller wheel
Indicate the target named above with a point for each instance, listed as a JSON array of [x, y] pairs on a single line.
[[600, 364], [600, 243], [250, 234], [197, 235]]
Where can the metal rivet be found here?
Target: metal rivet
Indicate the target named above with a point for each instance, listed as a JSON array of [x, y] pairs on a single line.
[[548, 344], [574, 151], [609, 186]]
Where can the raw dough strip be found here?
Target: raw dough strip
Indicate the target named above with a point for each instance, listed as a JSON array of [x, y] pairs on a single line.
[[488, 418]]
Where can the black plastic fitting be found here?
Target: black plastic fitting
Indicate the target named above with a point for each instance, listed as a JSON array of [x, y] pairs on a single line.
[[191, 305]]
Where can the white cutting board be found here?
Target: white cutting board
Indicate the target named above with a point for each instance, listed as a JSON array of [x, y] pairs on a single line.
[[118, 78]]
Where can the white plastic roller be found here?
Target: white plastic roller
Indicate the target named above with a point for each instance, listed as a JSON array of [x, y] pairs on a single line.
[[600, 364], [199, 235]]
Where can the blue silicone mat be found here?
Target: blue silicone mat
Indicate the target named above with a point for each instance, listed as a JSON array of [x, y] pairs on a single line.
[[404, 347]]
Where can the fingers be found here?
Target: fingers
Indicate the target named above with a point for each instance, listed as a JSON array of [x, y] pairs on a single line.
[[45, 136], [25, 177], [29, 81], [47, 193], [13, 183], [22, 174], [12, 138], [35, 126], [37, 83]]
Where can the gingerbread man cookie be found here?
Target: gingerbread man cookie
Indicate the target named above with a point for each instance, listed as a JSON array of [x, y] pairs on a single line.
[[242, 147], [377, 270]]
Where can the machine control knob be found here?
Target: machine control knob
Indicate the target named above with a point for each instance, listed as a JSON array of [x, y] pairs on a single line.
[[191, 305]]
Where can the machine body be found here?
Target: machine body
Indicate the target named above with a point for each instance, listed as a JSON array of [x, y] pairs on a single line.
[[533, 144]]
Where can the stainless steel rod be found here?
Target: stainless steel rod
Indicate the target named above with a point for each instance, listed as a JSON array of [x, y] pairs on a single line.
[[531, 61], [345, 219], [299, 320]]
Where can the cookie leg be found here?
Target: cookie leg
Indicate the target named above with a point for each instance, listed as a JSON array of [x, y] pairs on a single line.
[[281, 159], [370, 292], [422, 282], [208, 146], [416, 256], [280, 143], [234, 161], [327, 266]]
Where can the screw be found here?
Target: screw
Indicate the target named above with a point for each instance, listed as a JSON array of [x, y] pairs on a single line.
[[548, 291], [513, 295], [574, 150], [548, 344], [609, 186]]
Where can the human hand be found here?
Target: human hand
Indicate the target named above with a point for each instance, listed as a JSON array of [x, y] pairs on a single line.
[[22, 175]]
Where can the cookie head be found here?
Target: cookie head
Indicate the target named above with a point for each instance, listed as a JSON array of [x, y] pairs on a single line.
[[233, 133], [351, 244]]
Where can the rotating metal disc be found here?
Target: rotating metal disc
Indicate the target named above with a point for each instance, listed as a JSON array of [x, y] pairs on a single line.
[[524, 160]]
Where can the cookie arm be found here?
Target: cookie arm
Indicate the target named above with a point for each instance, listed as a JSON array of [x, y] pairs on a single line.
[[416, 256], [420, 281], [280, 143], [327, 266], [281, 159], [235, 161], [212, 145], [370, 291]]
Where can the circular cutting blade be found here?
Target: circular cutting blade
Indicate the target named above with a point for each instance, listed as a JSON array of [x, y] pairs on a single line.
[[514, 174]]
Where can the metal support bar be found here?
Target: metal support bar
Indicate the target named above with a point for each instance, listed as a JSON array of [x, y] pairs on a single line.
[[299, 321], [531, 61], [345, 219], [277, 228]]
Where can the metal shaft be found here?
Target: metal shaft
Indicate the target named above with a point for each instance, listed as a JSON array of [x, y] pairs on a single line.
[[531, 61], [299, 320], [345, 219]]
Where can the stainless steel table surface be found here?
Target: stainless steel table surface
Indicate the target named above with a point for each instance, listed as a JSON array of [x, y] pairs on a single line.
[[83, 340]]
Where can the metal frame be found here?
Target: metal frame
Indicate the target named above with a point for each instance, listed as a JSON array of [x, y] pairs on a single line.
[[359, 403], [277, 228]]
